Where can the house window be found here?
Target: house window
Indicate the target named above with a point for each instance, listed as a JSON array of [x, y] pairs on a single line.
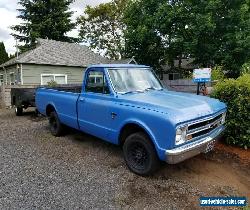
[[1, 79], [58, 78], [12, 78], [173, 76]]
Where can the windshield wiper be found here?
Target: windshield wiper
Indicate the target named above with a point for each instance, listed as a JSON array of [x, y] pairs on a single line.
[[153, 88], [133, 91]]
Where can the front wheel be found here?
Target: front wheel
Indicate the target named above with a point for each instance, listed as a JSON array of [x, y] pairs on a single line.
[[140, 154], [56, 127]]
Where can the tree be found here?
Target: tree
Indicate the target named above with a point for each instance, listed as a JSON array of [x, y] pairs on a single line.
[[214, 32], [156, 32], [3, 54], [223, 41], [48, 19], [102, 28]]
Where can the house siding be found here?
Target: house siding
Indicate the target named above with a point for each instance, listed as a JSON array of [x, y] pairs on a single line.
[[32, 73], [6, 74]]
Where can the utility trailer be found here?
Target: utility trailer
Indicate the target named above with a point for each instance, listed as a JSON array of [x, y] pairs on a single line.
[[23, 98]]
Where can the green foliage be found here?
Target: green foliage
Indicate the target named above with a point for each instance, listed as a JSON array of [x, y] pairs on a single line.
[[52, 83], [142, 40], [245, 68], [217, 73], [236, 94], [43, 19], [3, 54], [214, 32], [102, 27]]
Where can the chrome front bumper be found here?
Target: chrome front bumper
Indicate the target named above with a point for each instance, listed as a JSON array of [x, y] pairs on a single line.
[[186, 151]]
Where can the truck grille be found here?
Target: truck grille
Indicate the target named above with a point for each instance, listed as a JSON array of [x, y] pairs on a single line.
[[203, 127]]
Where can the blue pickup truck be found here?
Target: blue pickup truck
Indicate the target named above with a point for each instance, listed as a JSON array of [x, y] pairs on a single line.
[[127, 105]]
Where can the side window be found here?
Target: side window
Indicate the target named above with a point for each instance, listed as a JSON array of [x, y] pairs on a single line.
[[1, 79], [96, 83], [12, 78]]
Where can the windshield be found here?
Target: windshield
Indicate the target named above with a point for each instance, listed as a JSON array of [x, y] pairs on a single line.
[[127, 80]]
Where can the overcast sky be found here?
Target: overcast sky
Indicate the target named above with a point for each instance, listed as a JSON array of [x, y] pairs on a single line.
[[8, 18]]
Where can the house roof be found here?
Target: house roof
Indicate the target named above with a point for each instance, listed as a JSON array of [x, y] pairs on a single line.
[[125, 61], [50, 52]]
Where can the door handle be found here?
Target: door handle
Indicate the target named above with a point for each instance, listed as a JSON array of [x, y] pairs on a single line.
[[82, 99], [113, 115]]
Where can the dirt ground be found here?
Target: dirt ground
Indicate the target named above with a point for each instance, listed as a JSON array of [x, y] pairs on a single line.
[[39, 171]]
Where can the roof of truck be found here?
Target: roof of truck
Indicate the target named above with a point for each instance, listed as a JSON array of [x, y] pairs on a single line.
[[118, 66]]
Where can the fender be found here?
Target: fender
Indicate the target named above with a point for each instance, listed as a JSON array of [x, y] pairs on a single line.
[[51, 104], [146, 129]]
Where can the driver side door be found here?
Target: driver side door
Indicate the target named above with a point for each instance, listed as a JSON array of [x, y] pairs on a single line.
[[94, 104]]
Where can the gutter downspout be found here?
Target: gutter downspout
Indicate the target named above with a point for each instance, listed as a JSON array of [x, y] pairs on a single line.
[[6, 79], [21, 72]]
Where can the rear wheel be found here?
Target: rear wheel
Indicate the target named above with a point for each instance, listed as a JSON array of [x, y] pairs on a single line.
[[19, 111], [140, 154], [56, 127]]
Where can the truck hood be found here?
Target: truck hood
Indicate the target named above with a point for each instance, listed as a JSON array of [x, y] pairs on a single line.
[[180, 106]]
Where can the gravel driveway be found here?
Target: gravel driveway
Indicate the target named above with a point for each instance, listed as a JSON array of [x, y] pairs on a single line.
[[78, 171]]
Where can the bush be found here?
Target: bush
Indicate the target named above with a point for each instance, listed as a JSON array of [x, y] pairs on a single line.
[[52, 83], [236, 94], [245, 68], [217, 73]]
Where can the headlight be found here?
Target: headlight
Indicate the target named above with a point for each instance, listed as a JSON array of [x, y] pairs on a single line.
[[181, 135], [223, 118]]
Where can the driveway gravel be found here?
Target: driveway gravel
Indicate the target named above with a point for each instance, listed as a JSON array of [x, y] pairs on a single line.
[[78, 171]]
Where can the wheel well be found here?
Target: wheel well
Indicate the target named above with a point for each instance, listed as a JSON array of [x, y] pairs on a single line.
[[49, 109], [128, 130]]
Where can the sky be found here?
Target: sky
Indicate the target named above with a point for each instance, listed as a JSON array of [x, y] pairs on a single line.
[[8, 18]]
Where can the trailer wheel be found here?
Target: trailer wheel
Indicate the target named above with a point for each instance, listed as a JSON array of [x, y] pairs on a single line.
[[19, 111], [56, 127], [140, 154]]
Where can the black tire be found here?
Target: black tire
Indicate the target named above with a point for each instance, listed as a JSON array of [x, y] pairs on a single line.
[[56, 127], [19, 111], [140, 155]]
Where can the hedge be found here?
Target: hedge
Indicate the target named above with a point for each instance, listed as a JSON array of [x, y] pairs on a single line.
[[236, 94]]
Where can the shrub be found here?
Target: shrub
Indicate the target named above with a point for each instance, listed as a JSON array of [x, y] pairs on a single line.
[[217, 73], [236, 94], [245, 68], [52, 83]]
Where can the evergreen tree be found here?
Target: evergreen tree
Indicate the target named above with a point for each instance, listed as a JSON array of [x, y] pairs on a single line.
[[48, 19], [3, 54]]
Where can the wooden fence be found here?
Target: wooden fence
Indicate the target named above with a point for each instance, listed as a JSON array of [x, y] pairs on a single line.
[[184, 85]]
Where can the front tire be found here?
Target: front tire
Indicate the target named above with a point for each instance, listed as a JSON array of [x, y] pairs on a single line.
[[140, 155], [19, 111], [56, 127]]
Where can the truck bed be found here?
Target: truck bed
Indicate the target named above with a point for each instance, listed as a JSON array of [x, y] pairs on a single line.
[[66, 88], [64, 99]]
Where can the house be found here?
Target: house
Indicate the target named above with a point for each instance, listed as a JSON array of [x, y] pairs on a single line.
[[179, 69], [50, 60], [125, 61]]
